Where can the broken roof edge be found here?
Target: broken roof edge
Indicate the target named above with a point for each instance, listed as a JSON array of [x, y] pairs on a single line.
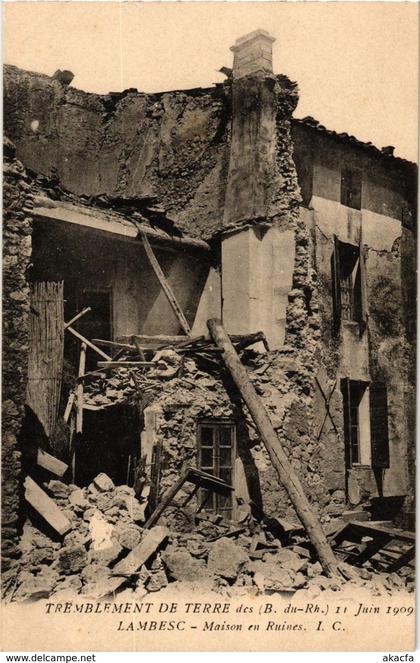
[[314, 125], [308, 121], [109, 221]]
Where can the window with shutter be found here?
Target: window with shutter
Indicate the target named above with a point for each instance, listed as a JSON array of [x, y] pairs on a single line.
[[378, 400], [348, 285]]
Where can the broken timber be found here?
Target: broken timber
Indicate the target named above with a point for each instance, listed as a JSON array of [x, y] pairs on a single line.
[[88, 343], [165, 284], [77, 317], [50, 463], [82, 365], [142, 552], [286, 473], [46, 507]]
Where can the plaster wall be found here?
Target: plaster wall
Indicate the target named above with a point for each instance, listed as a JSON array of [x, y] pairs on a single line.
[[84, 258], [384, 351], [257, 269]]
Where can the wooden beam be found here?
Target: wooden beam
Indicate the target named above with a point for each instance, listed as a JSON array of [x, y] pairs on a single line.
[[285, 471], [127, 364], [114, 344], [69, 407], [165, 284], [159, 339], [77, 317], [80, 387], [88, 343], [50, 463], [46, 507], [140, 349], [142, 552]]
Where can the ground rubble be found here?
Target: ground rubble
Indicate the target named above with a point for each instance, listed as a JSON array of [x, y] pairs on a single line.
[[107, 551]]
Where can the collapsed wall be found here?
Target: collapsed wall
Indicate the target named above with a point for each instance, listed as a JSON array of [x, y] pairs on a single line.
[[171, 145], [17, 228], [268, 280]]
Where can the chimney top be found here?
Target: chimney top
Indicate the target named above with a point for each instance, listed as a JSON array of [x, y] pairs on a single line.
[[388, 150], [253, 54]]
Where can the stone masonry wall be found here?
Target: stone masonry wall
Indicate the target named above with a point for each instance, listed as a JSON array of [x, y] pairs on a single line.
[[171, 145], [17, 228]]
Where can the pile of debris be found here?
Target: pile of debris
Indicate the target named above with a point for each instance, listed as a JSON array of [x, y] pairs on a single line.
[[106, 550]]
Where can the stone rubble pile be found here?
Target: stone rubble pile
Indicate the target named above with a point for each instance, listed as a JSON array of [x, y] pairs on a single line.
[[98, 557]]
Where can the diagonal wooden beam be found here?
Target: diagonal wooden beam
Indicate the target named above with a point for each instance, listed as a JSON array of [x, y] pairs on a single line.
[[165, 284], [327, 407], [268, 435]]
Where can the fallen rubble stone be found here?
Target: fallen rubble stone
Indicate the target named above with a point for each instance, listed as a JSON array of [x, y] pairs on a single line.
[[226, 558], [72, 559], [182, 566], [128, 535], [103, 483]]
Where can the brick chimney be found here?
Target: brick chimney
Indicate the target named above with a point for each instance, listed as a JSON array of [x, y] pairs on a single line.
[[253, 54]]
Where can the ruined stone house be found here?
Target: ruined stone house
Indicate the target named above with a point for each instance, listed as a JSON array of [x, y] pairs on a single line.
[[272, 224]]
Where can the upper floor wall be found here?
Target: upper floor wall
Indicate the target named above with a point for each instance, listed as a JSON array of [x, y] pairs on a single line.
[[387, 185]]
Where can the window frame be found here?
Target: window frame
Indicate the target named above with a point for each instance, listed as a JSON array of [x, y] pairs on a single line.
[[356, 282], [354, 392], [218, 502]]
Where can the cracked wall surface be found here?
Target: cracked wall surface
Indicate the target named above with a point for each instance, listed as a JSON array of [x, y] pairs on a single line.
[[17, 228], [170, 145]]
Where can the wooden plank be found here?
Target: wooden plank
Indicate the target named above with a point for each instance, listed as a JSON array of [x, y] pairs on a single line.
[[404, 559], [149, 544], [77, 317], [80, 388], [46, 507], [124, 363], [159, 339], [394, 533], [165, 284], [69, 406], [371, 549], [88, 343], [46, 349], [139, 348], [114, 344], [50, 463], [118, 364], [284, 469], [166, 500]]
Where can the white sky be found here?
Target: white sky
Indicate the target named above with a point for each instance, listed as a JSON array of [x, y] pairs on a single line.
[[356, 63]]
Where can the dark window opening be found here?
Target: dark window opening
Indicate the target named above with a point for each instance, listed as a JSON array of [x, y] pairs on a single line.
[[353, 391], [349, 298], [96, 324], [216, 455], [351, 188]]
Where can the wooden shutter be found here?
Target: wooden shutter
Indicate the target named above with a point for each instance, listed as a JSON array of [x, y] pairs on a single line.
[[363, 291], [378, 402], [46, 348], [345, 389], [336, 289]]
